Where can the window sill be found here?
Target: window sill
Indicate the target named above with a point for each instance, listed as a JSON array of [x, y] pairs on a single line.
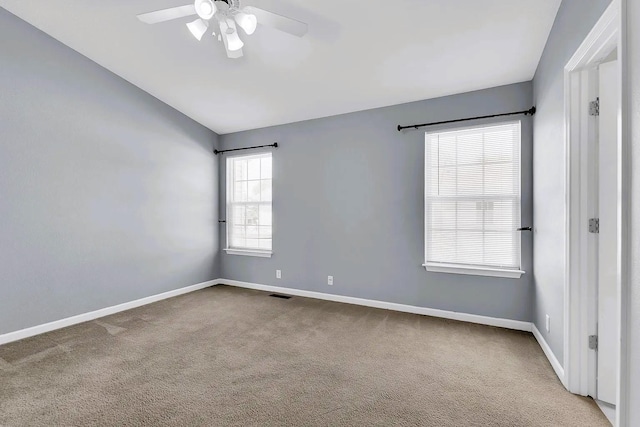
[[473, 271], [249, 252]]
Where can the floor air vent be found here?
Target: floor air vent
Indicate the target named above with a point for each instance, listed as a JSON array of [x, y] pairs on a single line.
[[280, 296]]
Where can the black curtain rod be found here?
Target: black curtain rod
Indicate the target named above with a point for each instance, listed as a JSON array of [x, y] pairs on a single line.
[[531, 111], [275, 144]]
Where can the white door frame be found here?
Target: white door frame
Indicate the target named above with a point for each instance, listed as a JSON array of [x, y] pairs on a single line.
[[608, 34]]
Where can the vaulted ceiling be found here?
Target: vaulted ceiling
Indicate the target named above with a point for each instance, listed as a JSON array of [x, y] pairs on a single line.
[[358, 54]]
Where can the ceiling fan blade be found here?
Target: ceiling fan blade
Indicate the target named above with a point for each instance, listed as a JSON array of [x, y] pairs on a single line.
[[279, 22], [167, 14]]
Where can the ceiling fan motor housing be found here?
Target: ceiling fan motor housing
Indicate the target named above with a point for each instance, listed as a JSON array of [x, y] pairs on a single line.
[[230, 5]]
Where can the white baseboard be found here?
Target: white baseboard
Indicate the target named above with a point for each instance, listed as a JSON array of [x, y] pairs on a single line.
[[472, 318], [92, 315], [555, 364], [464, 317]]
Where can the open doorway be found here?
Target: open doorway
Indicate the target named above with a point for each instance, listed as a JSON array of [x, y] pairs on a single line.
[[595, 222]]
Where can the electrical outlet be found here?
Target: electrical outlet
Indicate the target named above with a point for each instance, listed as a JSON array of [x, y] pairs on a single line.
[[278, 274], [330, 280], [548, 323]]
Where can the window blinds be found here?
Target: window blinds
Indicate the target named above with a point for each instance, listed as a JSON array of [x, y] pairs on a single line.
[[472, 200], [249, 222]]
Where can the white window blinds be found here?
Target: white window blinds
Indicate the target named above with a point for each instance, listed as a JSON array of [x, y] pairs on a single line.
[[472, 197], [249, 225]]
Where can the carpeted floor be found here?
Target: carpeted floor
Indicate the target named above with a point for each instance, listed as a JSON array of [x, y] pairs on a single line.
[[226, 356]]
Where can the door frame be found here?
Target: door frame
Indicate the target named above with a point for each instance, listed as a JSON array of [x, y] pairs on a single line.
[[579, 291]]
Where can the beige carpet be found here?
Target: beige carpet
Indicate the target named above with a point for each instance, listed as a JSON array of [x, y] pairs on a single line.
[[226, 356]]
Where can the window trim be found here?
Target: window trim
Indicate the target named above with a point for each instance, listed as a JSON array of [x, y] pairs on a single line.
[[472, 270], [436, 267], [246, 251], [249, 252]]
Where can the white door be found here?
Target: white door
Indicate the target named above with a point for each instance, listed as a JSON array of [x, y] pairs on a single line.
[[608, 237]]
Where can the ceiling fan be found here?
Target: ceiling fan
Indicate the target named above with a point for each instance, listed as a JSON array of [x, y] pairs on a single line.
[[225, 14]]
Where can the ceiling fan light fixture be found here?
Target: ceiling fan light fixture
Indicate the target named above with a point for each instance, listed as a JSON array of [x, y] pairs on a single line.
[[198, 28], [234, 42], [229, 15], [231, 45], [205, 9], [247, 21], [230, 35]]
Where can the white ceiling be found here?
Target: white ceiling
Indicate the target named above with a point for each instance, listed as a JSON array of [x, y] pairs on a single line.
[[358, 54]]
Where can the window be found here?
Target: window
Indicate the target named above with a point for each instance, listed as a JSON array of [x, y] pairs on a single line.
[[249, 222], [472, 201]]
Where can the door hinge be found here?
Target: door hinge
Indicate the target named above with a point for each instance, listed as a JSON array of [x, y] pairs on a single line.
[[594, 107], [593, 342], [594, 225]]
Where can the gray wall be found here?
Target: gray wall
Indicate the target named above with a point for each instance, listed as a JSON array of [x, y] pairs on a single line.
[[573, 22], [348, 202], [107, 195], [633, 378]]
